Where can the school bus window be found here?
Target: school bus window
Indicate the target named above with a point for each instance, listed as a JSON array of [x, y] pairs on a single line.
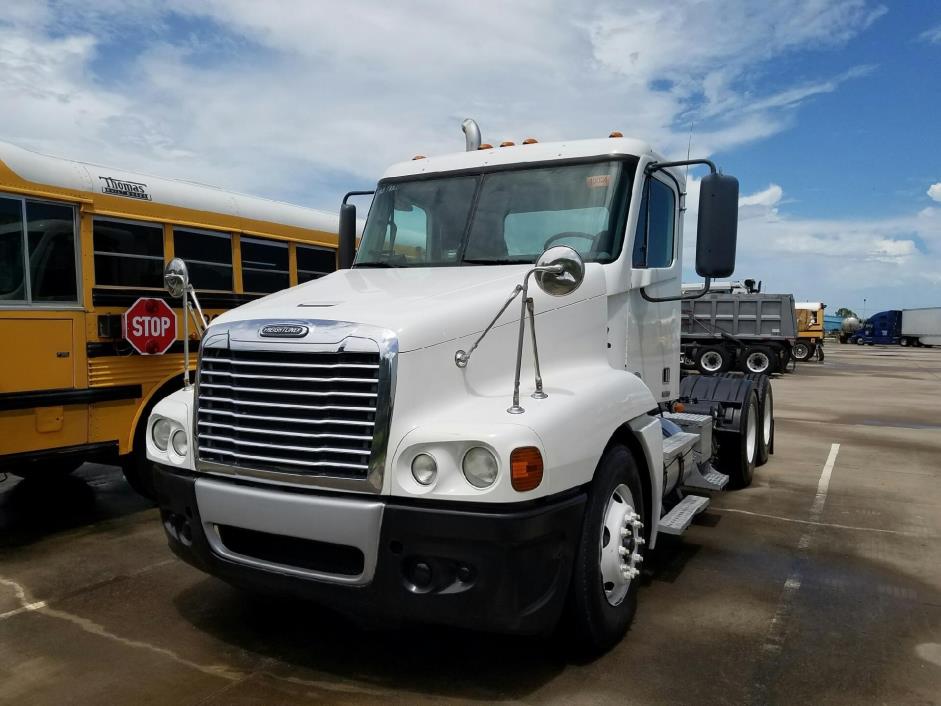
[[12, 282], [51, 236], [264, 265], [128, 254], [208, 257], [314, 262]]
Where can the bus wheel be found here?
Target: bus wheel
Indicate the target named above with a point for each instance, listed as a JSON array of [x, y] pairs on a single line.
[[47, 469]]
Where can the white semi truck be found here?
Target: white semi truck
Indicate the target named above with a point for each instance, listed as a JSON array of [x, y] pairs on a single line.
[[481, 422]]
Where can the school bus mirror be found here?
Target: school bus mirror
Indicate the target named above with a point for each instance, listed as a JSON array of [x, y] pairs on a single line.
[[176, 277]]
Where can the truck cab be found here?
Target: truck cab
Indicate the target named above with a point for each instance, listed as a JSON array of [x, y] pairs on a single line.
[[478, 423], [884, 328]]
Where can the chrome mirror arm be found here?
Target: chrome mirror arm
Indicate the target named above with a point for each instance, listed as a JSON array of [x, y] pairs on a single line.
[[515, 407], [461, 358], [539, 394]]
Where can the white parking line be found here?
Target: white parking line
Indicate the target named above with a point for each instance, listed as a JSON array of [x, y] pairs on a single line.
[[777, 629]]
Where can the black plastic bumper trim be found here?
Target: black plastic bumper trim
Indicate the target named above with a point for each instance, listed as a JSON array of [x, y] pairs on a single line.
[[63, 397]]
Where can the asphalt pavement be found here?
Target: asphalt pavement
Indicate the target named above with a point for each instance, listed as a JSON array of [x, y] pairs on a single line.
[[821, 583]]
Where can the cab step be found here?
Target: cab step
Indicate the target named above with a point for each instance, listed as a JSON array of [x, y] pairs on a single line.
[[705, 477], [679, 518]]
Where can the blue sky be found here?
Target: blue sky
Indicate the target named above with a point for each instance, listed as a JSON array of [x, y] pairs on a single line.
[[828, 111]]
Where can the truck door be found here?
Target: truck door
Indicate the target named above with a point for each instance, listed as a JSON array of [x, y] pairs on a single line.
[[653, 328]]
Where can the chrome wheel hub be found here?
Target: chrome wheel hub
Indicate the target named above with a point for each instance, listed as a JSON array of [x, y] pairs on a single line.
[[622, 536], [758, 362], [711, 361]]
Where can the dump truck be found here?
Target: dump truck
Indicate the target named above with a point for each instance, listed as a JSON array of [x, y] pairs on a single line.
[[733, 330], [480, 420]]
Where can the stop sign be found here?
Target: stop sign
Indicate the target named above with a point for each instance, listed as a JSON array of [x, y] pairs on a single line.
[[149, 325]]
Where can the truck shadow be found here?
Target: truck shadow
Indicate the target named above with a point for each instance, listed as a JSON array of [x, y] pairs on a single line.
[[435, 660], [36, 508]]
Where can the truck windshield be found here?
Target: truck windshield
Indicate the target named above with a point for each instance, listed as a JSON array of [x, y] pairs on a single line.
[[497, 218]]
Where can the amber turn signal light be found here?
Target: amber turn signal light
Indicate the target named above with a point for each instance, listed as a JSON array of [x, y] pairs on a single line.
[[525, 468], [679, 407]]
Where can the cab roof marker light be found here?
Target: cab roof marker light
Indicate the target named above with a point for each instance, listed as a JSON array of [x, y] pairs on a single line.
[[616, 133], [530, 141]]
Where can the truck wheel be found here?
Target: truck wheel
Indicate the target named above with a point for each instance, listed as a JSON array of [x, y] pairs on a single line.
[[759, 359], [803, 351], [860, 342], [605, 575], [762, 386], [738, 451], [713, 360], [904, 342], [37, 470], [842, 339]]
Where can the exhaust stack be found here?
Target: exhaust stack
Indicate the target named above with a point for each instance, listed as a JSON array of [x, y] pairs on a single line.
[[471, 134]]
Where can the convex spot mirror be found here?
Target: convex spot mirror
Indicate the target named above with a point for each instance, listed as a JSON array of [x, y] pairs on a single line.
[[717, 229], [566, 275], [176, 277]]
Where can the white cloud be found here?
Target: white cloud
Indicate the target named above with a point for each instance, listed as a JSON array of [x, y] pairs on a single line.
[[933, 35], [303, 100], [934, 191]]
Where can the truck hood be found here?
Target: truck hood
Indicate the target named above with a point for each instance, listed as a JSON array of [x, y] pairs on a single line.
[[422, 306]]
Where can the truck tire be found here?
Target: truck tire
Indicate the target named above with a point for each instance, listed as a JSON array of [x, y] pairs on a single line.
[[903, 342], [738, 450], [762, 386], [803, 351], [860, 342], [602, 597], [842, 339], [713, 360], [759, 359]]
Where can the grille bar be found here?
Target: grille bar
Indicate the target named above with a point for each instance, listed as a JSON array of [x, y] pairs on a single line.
[[298, 412]]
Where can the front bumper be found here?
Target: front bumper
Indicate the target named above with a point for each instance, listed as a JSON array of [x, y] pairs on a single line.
[[496, 569]]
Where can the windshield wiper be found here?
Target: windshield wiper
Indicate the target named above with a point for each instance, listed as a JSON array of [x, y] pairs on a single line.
[[495, 261], [377, 263]]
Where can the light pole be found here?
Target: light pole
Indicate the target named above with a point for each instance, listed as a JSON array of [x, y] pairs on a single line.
[[864, 308]]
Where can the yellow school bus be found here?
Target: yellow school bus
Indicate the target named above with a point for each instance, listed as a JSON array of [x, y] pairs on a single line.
[[79, 244]]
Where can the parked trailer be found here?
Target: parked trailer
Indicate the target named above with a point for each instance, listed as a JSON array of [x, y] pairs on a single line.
[[848, 326], [398, 452], [753, 333], [921, 327]]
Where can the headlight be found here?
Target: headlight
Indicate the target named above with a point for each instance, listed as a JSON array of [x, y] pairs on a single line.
[[179, 442], [161, 433], [424, 469], [480, 467]]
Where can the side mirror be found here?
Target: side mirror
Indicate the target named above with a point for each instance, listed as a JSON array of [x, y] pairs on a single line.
[[346, 242], [559, 271], [176, 277], [717, 231]]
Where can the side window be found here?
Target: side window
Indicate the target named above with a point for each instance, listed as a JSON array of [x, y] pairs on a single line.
[[264, 265], [208, 258], [47, 243], [128, 254], [314, 262], [653, 241], [50, 231], [12, 281]]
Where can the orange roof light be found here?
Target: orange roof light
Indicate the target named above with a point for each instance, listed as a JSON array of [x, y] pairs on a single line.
[[486, 146], [418, 156], [679, 407], [530, 141], [525, 468], [507, 143], [616, 133]]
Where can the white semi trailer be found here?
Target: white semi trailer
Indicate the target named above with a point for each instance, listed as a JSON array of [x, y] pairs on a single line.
[[391, 441], [921, 327]]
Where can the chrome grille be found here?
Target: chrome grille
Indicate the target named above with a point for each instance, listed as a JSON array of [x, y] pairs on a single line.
[[296, 412]]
